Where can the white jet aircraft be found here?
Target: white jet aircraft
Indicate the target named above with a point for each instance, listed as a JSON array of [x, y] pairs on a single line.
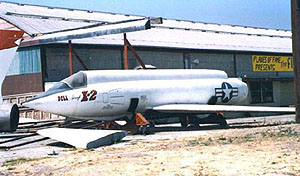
[[112, 94]]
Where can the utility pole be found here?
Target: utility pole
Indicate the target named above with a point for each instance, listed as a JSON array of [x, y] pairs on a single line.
[[295, 14]]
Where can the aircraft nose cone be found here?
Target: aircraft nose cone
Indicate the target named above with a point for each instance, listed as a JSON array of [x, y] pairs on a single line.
[[31, 103], [27, 104], [24, 103]]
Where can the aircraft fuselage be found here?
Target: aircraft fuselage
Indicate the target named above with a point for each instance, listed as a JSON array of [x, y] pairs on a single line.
[[111, 100]]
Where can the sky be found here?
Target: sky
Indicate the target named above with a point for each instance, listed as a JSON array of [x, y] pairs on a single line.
[[274, 14]]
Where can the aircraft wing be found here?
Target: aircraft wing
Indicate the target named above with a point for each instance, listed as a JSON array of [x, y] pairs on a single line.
[[203, 108], [120, 27]]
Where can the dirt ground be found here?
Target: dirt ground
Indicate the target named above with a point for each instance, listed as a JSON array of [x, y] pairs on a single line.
[[262, 148]]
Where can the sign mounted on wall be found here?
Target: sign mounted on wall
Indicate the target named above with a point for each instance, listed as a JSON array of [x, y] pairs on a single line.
[[262, 63]]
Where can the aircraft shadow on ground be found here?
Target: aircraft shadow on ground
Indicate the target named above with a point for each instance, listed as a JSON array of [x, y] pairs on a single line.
[[241, 125]]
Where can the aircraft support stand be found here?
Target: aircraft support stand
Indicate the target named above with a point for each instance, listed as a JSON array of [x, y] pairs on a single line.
[[138, 124]]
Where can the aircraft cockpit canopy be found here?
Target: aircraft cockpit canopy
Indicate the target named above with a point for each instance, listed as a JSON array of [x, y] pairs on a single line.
[[77, 80]]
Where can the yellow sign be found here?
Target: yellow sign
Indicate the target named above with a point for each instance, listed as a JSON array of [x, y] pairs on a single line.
[[272, 63]]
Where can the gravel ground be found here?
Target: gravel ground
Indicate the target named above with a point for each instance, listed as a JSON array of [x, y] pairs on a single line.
[[43, 148], [250, 146]]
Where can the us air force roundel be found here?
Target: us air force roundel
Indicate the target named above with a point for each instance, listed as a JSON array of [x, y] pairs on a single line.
[[226, 92]]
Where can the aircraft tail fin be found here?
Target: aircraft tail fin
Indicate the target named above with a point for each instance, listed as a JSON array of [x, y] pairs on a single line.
[[9, 42]]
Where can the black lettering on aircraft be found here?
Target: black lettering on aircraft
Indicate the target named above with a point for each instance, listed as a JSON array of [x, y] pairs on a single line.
[[62, 98]]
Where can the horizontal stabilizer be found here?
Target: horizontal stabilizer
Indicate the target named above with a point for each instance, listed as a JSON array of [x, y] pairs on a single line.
[[83, 138], [202, 108]]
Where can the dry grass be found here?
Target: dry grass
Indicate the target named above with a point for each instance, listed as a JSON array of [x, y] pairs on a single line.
[[253, 151]]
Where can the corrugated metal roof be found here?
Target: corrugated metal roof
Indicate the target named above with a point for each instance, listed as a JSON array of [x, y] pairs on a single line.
[[41, 26], [173, 38], [40, 20], [170, 34], [64, 13], [190, 25]]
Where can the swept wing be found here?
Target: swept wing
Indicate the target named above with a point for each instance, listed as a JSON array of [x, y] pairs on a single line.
[[204, 108]]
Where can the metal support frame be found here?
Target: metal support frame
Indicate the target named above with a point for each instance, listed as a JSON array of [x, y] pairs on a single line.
[[295, 10], [79, 59], [138, 58], [71, 52], [125, 53], [126, 46], [70, 58]]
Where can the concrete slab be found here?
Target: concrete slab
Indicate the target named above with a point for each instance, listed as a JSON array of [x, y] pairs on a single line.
[[84, 138]]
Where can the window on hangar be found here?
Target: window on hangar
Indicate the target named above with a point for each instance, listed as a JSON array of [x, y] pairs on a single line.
[[261, 92]]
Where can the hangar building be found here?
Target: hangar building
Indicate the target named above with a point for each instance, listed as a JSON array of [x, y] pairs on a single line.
[[261, 57]]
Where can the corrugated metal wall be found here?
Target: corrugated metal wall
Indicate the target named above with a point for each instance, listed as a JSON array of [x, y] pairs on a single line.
[[160, 59], [213, 61], [18, 84], [24, 74], [26, 61], [57, 61]]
